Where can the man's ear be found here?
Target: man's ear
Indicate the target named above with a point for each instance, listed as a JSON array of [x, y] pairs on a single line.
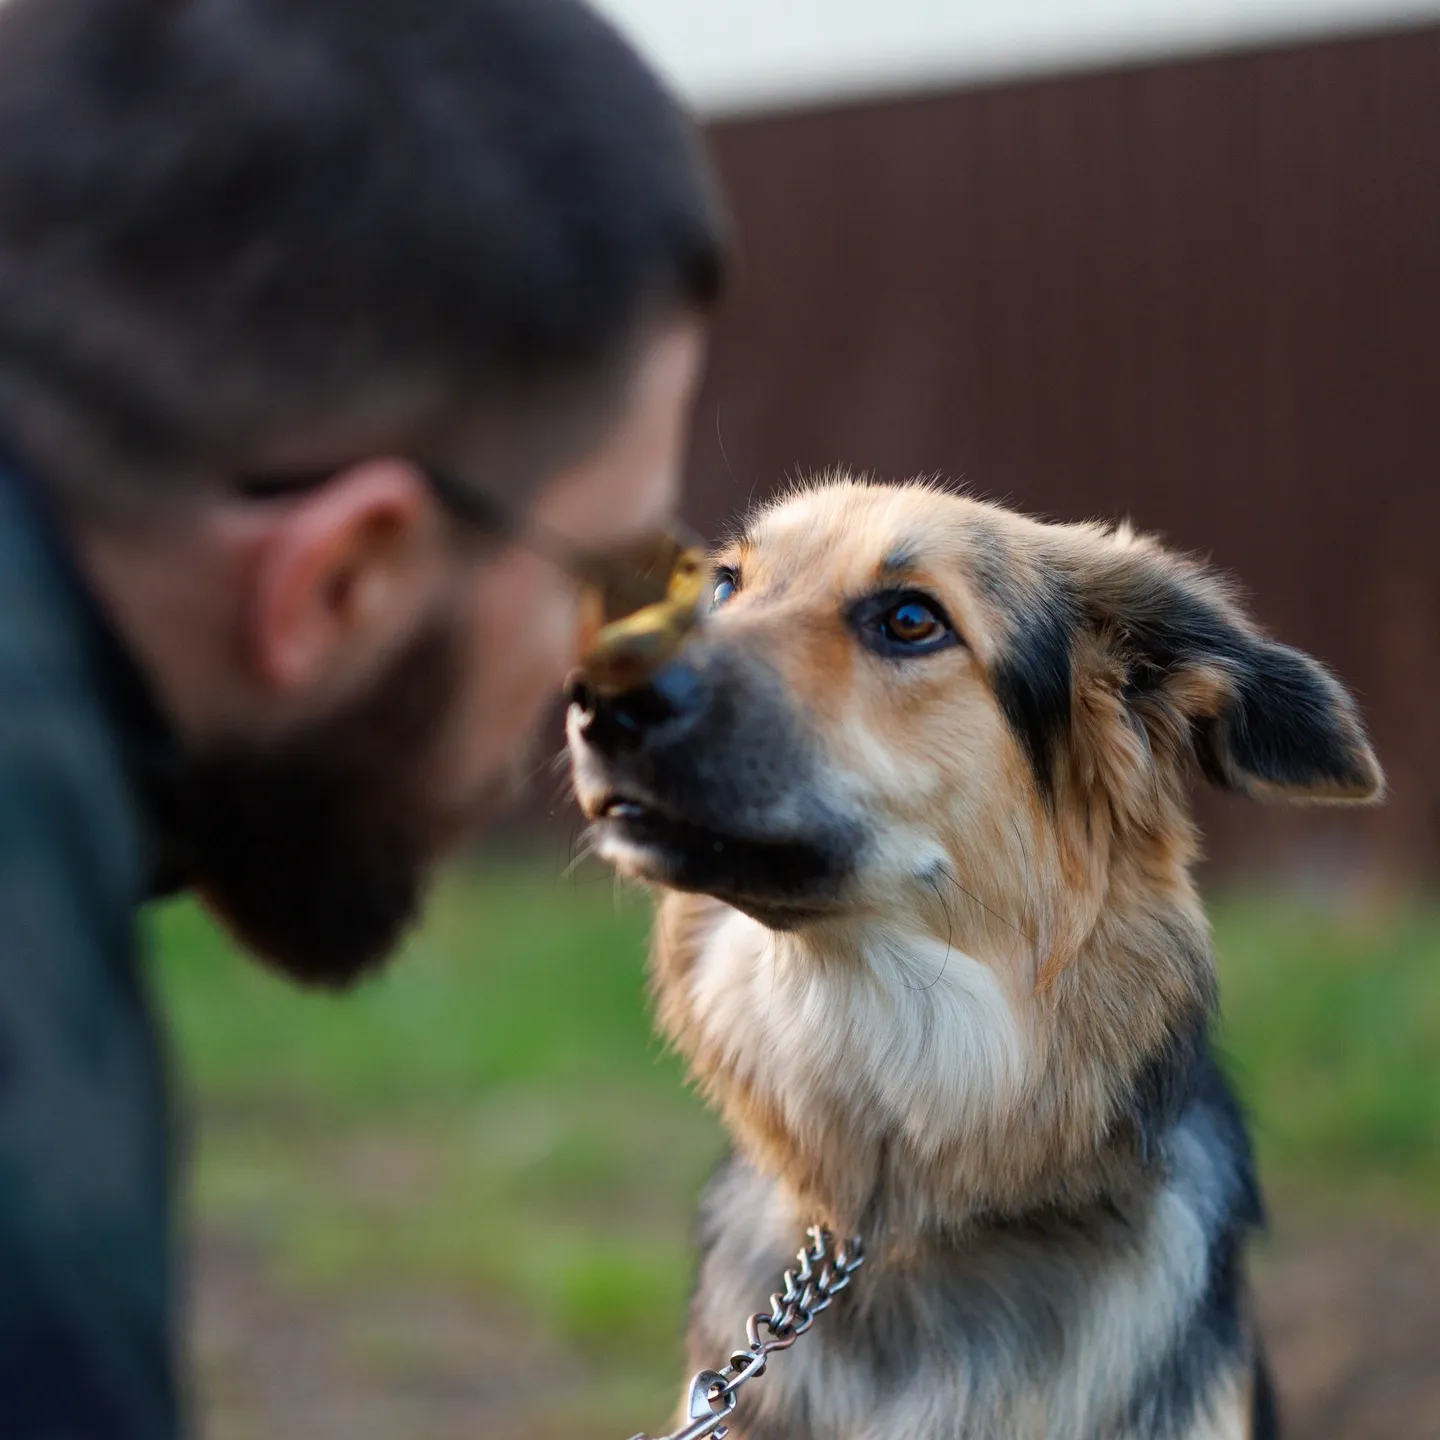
[[340, 574], [1261, 718]]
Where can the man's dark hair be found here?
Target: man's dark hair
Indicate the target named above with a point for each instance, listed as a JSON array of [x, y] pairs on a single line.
[[229, 227]]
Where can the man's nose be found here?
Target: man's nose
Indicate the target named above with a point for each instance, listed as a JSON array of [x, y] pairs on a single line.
[[660, 710]]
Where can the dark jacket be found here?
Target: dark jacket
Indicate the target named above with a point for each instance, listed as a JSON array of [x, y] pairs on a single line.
[[85, 1239]]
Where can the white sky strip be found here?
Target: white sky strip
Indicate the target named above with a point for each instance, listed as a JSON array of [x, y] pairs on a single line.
[[730, 57]]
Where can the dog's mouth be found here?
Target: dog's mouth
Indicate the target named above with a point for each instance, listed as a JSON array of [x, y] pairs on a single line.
[[782, 881]]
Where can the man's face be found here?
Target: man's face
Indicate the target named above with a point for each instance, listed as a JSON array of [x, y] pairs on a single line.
[[523, 613], [434, 655]]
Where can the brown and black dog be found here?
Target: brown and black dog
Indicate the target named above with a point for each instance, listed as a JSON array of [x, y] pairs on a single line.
[[918, 796]]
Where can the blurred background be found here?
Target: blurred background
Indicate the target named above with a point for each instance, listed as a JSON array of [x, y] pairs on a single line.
[[1174, 262]]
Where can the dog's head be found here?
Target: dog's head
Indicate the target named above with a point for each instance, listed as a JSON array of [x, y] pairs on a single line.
[[942, 755], [903, 694]]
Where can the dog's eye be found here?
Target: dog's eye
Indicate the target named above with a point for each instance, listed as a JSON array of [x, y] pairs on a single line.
[[911, 624], [725, 587], [902, 625]]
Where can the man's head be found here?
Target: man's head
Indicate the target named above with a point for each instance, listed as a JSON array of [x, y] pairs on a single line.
[[247, 239]]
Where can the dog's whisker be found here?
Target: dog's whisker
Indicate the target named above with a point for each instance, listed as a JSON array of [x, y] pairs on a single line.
[[592, 880], [560, 771], [1027, 874], [582, 847], [949, 936], [720, 441], [993, 914], [774, 984], [525, 777]]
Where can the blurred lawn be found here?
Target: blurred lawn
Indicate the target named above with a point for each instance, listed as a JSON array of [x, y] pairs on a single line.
[[493, 1118], [1331, 1029]]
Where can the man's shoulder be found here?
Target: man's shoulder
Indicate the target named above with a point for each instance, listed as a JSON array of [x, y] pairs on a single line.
[[63, 779], [84, 1299]]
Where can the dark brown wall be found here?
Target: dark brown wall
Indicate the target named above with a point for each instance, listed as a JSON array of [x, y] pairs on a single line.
[[1205, 295]]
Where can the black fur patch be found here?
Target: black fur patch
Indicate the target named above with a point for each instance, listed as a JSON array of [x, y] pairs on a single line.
[[1264, 1408], [1033, 682], [1214, 1341], [1182, 1068], [1166, 1084]]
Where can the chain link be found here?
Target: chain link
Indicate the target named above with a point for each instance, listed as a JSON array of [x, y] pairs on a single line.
[[822, 1270]]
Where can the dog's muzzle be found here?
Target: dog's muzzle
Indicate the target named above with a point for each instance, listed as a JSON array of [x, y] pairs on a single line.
[[706, 778]]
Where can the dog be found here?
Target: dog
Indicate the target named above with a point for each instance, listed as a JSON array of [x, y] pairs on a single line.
[[917, 802]]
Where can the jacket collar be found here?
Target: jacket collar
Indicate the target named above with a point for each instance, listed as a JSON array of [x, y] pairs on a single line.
[[149, 743]]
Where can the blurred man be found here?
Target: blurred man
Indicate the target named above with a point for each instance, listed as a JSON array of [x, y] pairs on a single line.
[[313, 314]]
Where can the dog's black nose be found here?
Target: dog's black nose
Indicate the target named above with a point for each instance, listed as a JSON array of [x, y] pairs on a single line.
[[666, 703]]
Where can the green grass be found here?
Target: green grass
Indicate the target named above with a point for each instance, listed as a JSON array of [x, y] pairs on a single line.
[[493, 1118], [516, 978], [1332, 1032]]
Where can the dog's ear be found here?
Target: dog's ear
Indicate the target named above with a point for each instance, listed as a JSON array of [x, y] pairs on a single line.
[[1260, 718]]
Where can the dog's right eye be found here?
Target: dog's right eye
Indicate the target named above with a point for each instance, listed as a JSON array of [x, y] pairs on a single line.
[[903, 625]]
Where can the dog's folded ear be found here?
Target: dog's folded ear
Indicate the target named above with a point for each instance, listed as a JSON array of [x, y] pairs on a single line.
[[1261, 718]]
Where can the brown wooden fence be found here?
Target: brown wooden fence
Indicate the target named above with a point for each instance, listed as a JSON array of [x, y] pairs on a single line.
[[1205, 295]]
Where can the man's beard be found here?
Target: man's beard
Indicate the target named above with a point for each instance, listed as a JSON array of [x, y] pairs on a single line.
[[315, 847]]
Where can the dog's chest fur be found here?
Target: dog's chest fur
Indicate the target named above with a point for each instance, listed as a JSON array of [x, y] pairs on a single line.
[[1120, 1323], [1116, 1315]]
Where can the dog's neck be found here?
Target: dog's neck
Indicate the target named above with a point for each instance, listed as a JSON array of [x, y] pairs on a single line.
[[899, 1085]]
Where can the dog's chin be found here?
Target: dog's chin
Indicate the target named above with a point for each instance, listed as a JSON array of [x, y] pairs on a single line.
[[783, 883]]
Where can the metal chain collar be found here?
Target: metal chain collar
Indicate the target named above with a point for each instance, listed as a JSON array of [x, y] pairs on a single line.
[[822, 1270]]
